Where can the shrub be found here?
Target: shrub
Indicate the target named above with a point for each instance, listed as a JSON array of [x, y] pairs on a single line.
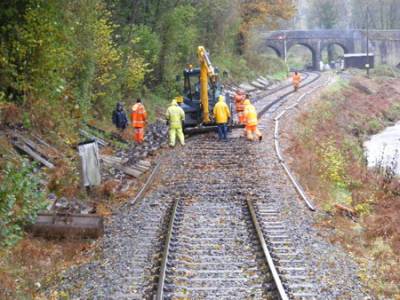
[[374, 126], [20, 201], [385, 71], [332, 165]]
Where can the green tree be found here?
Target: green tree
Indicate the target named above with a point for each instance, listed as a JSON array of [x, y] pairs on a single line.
[[324, 14]]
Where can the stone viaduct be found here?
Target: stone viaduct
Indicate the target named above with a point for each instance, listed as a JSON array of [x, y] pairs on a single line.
[[385, 44]]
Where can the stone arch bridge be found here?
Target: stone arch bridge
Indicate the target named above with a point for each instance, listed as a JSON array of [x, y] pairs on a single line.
[[385, 44]]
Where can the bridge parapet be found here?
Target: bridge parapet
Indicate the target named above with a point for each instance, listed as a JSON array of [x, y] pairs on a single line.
[[384, 43]]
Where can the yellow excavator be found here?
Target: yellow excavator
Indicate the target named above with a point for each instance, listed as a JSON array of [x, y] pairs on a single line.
[[201, 90]]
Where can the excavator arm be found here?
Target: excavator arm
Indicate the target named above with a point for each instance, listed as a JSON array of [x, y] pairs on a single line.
[[206, 71]]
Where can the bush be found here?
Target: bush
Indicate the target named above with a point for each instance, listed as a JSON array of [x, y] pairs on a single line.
[[385, 71], [20, 201]]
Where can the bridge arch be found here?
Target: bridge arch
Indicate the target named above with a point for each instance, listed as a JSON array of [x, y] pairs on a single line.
[[335, 43], [332, 50], [385, 44], [275, 50], [311, 48]]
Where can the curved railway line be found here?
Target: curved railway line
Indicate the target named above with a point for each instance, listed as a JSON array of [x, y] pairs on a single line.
[[227, 241]]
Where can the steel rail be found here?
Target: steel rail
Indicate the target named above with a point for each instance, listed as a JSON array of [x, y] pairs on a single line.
[[161, 281], [266, 108], [277, 279], [278, 151], [278, 282], [148, 182], [260, 236], [163, 270], [278, 88], [206, 129]]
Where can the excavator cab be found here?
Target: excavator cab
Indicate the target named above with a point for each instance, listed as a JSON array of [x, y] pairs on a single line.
[[191, 93], [201, 91]]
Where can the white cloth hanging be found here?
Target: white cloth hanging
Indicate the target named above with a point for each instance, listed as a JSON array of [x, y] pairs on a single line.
[[90, 162]]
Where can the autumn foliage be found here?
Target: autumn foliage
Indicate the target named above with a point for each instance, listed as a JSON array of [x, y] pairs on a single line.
[[328, 158]]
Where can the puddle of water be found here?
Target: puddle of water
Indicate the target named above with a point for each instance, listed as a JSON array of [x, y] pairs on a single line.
[[384, 148]]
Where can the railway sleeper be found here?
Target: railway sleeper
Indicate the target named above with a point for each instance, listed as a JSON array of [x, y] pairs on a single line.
[[289, 261], [210, 266], [218, 290], [292, 270], [278, 237], [303, 296], [216, 247], [218, 236], [277, 232], [220, 258], [215, 253], [221, 271], [296, 287], [211, 280]]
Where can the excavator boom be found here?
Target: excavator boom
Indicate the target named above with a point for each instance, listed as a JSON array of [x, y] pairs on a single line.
[[206, 71], [201, 91]]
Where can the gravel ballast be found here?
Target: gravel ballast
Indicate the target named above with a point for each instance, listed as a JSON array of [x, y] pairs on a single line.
[[127, 260]]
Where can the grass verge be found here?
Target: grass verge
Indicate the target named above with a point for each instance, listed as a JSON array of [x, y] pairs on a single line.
[[362, 206]]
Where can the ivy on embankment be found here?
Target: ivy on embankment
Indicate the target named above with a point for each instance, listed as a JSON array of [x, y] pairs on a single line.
[[20, 201]]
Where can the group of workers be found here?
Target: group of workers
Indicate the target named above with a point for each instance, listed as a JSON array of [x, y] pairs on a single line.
[[175, 116], [138, 119], [247, 115]]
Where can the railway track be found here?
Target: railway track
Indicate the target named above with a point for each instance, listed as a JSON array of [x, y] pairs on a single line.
[[212, 249], [212, 227], [280, 94], [226, 239]]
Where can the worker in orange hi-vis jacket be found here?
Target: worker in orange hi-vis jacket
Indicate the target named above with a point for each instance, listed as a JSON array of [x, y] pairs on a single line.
[[252, 131], [296, 79], [239, 105], [139, 120]]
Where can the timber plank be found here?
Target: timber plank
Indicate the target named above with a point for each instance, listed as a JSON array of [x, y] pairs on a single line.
[[33, 154], [93, 137]]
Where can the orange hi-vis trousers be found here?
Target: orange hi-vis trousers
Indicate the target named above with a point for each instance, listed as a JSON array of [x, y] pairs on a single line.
[[138, 135], [252, 132], [241, 117]]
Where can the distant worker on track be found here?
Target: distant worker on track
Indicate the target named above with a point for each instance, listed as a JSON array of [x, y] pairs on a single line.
[[222, 116], [139, 120], [250, 113], [175, 117], [296, 79], [240, 97], [119, 118]]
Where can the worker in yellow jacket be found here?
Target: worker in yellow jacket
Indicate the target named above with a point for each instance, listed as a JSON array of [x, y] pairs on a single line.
[[175, 117], [222, 116], [250, 113]]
